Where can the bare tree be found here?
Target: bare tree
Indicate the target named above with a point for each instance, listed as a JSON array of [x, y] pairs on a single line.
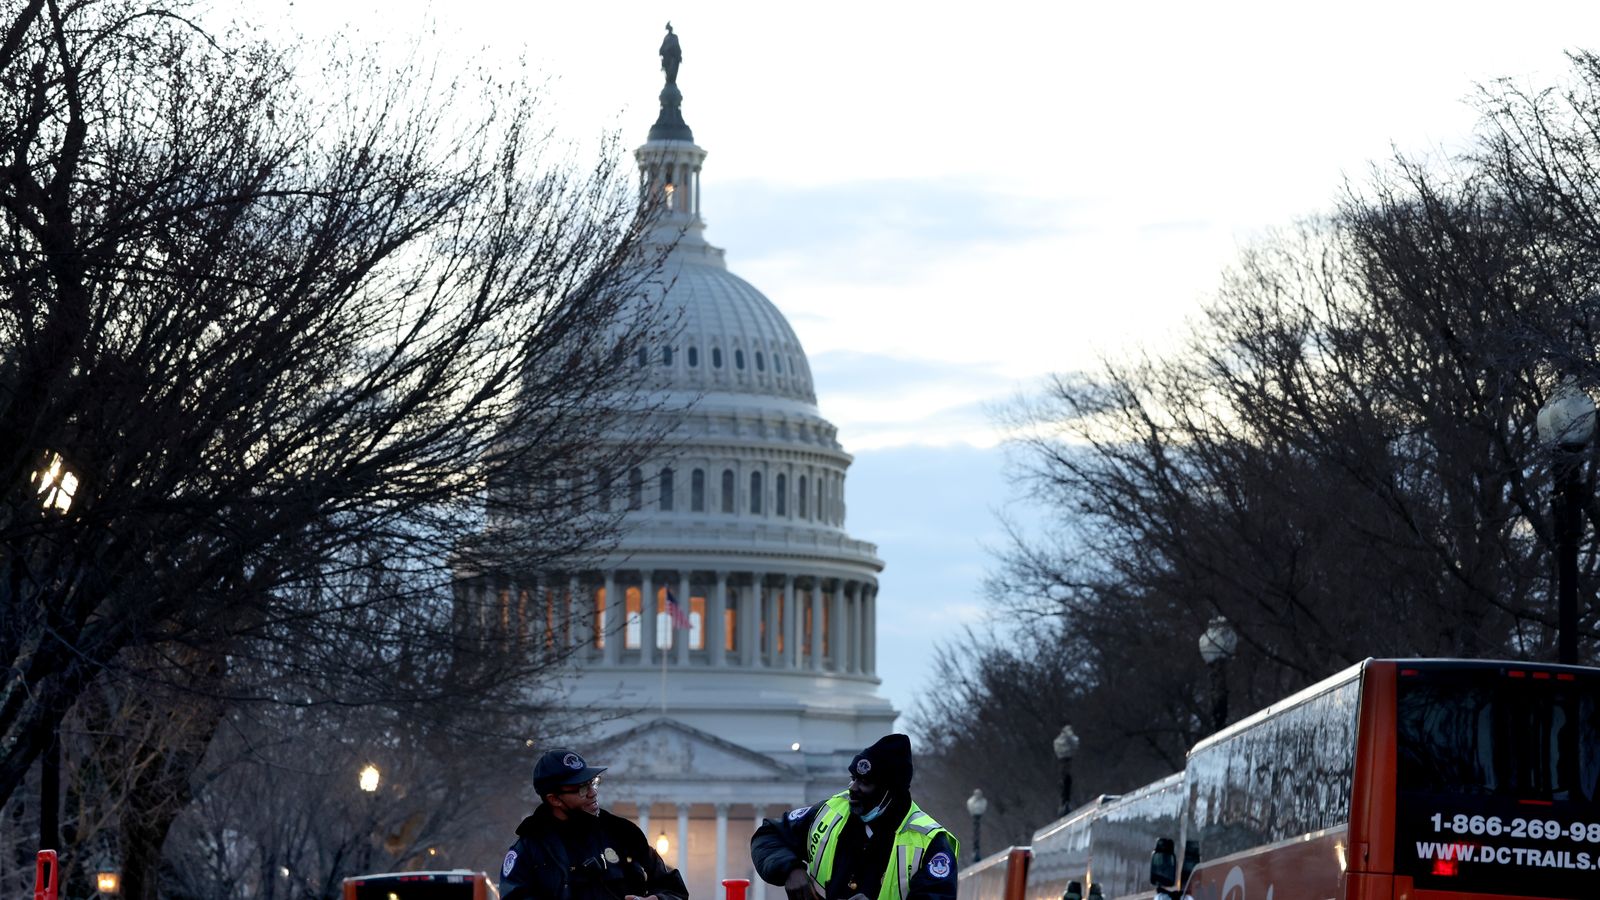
[[1342, 459], [285, 340]]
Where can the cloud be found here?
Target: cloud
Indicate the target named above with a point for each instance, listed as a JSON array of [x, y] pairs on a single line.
[[879, 229], [879, 401]]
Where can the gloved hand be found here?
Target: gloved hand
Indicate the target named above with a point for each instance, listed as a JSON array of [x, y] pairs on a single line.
[[798, 885]]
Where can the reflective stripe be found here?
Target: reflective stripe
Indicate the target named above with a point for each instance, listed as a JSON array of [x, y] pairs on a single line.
[[909, 868]]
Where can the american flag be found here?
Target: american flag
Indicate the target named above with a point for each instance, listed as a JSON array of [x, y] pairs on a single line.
[[680, 619]]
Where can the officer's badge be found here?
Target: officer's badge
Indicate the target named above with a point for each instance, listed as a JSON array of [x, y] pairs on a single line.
[[509, 864], [572, 761], [796, 815], [863, 766], [939, 866]]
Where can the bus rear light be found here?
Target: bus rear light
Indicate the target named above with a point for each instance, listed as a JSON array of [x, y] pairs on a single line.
[[1537, 802], [1541, 676], [1445, 867], [1516, 674], [1409, 672], [1566, 676]]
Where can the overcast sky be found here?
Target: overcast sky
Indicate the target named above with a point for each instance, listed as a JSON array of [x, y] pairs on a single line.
[[949, 202]]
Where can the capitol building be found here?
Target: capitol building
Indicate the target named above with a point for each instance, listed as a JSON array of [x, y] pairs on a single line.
[[751, 697]]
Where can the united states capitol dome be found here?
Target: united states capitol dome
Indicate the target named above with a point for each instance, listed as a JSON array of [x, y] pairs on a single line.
[[723, 335], [730, 636]]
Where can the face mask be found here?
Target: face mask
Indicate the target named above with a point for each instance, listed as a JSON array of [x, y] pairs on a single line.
[[877, 810]]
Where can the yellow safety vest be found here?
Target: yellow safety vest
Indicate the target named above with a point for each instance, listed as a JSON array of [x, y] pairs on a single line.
[[911, 840]]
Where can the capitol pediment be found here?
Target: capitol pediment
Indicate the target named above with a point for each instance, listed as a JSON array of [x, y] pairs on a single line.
[[668, 750]]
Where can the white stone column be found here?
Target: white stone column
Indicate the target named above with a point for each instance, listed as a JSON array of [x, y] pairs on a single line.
[[836, 631], [681, 637], [647, 618], [816, 624], [749, 623], [644, 820], [792, 622], [722, 844], [756, 884], [683, 839], [608, 622], [716, 619], [769, 615], [856, 629], [570, 620], [869, 621]]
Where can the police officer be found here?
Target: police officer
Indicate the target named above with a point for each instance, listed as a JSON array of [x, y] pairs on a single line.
[[870, 842], [571, 849]]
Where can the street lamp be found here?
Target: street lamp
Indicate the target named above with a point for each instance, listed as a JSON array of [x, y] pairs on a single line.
[[1065, 745], [1216, 648], [107, 880], [977, 804], [55, 485], [1566, 425]]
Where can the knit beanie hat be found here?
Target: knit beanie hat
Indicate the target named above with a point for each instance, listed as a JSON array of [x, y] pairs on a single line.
[[888, 762]]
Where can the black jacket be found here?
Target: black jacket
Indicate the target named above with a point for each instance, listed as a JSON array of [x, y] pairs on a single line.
[[567, 860], [778, 848]]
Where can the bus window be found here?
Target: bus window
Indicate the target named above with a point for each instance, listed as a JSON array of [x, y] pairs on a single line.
[[1496, 778]]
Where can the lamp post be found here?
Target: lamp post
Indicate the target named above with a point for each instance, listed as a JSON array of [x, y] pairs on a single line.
[[1216, 648], [1065, 745], [1566, 425], [368, 780], [977, 805], [55, 485]]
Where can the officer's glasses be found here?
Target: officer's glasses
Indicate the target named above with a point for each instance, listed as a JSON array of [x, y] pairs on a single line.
[[588, 787]]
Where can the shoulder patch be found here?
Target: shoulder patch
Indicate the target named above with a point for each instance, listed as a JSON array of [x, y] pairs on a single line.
[[796, 815], [509, 864], [939, 865]]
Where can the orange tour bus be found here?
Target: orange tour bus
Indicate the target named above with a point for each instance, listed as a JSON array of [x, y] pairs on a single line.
[[1401, 780], [999, 876], [457, 884]]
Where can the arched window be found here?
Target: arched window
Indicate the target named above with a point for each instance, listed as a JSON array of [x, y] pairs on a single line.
[[738, 359], [822, 514], [666, 356], [727, 490], [642, 355], [716, 357], [761, 362], [666, 490], [635, 489], [800, 497], [777, 364], [694, 357], [602, 490], [697, 491], [780, 500], [755, 493]]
